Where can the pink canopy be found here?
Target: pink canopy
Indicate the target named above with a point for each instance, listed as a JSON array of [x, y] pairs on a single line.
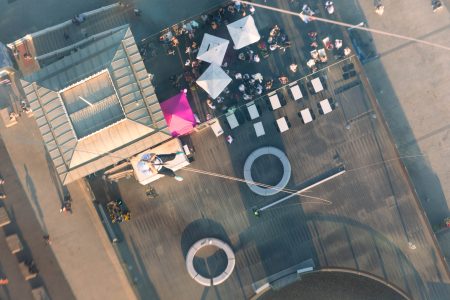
[[178, 114]]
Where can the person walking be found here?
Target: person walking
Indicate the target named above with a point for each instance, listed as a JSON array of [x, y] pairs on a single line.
[[47, 239]]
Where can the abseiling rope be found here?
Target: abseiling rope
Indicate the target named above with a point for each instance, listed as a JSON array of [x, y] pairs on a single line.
[[288, 191]]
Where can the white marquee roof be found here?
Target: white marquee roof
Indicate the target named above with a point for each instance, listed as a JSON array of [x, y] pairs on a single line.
[[212, 49], [243, 32], [214, 80]]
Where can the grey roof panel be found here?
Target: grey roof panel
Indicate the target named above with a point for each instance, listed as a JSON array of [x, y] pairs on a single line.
[[77, 135]]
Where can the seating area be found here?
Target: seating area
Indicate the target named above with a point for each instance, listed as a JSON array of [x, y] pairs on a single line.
[[306, 115], [232, 120], [274, 101], [309, 96], [210, 242], [295, 91], [216, 128]]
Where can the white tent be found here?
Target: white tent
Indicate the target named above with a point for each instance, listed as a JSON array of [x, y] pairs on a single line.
[[214, 80], [243, 32], [212, 49]]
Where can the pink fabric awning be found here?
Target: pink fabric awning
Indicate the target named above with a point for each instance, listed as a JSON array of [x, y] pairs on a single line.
[[178, 114]]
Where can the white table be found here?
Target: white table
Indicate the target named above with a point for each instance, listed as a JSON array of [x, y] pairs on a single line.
[[296, 92], [274, 101], [282, 124], [326, 107], [306, 115], [259, 129], [317, 84], [231, 118], [217, 128], [253, 111]]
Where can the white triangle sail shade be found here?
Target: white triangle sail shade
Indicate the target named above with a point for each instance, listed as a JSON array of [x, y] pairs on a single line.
[[243, 32], [212, 49], [214, 80]]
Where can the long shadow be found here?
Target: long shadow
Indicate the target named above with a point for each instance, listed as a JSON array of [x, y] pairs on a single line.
[[210, 266], [425, 180], [35, 202], [127, 250], [144, 284], [55, 177], [383, 244], [26, 254]]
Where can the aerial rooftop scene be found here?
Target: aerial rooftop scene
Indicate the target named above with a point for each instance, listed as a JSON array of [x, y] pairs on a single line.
[[266, 149]]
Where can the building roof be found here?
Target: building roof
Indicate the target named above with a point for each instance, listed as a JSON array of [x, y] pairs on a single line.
[[51, 41], [95, 101]]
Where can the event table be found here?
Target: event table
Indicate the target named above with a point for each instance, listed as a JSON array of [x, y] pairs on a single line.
[[317, 84], [296, 92], [253, 111], [217, 128], [274, 101], [231, 118], [326, 107], [306, 115], [282, 124], [259, 129]]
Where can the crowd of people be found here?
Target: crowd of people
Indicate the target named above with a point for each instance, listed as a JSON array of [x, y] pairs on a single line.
[[185, 39]]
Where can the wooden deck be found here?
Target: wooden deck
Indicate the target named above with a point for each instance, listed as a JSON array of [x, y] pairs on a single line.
[[367, 227]]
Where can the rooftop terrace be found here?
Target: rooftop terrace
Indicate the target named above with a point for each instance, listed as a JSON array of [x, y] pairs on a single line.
[[371, 224]]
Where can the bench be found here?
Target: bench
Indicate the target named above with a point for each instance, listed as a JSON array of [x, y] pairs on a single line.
[[4, 218], [295, 91], [14, 243]]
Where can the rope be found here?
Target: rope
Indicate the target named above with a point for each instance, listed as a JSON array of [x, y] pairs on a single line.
[[288, 191], [381, 32]]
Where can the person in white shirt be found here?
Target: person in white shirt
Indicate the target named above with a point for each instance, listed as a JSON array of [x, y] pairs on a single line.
[[152, 163]]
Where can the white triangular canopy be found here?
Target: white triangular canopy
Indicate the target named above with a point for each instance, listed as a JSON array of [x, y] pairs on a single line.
[[243, 32], [214, 80], [212, 49]]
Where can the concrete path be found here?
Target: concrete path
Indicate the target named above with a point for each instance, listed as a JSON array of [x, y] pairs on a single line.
[[79, 242], [411, 85]]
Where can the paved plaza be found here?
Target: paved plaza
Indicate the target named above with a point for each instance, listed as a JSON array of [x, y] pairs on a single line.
[[410, 83], [367, 227], [373, 224]]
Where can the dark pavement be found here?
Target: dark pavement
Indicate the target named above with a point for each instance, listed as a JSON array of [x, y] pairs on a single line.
[[333, 286], [27, 226]]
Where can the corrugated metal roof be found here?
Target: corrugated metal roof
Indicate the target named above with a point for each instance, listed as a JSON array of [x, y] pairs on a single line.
[[79, 65], [116, 156], [52, 39], [83, 138], [108, 139]]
